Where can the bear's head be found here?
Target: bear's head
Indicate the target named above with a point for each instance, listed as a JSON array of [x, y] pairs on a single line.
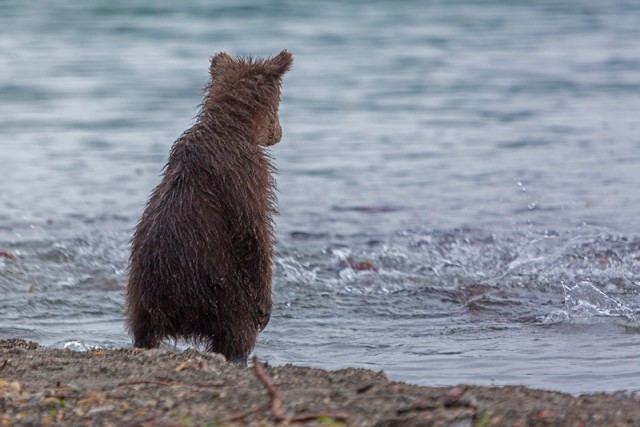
[[248, 91]]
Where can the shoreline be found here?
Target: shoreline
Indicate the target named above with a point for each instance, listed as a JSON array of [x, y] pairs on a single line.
[[133, 387]]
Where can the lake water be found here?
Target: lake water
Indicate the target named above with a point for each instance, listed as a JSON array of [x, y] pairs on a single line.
[[459, 182]]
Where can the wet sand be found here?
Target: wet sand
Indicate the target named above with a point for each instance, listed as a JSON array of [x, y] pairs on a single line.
[[131, 387]]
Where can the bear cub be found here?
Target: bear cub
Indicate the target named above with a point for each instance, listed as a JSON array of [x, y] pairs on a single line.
[[200, 264]]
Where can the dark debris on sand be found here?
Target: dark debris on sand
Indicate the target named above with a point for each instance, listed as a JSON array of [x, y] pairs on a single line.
[[130, 387]]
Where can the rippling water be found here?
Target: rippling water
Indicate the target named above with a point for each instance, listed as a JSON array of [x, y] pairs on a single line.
[[459, 185]]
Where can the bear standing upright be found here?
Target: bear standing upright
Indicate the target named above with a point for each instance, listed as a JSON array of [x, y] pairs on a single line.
[[200, 264]]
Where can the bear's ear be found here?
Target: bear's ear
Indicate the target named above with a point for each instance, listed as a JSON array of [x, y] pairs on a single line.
[[218, 63], [280, 64]]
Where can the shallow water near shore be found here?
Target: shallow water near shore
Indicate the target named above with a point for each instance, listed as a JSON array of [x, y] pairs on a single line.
[[458, 184]]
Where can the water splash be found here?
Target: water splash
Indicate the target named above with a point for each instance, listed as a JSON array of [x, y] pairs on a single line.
[[292, 271], [584, 302], [76, 346]]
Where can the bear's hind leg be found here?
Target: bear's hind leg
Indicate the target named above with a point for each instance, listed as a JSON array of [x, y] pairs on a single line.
[[234, 347], [143, 329], [145, 340]]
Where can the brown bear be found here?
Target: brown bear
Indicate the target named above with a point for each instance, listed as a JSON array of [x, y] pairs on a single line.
[[200, 264]]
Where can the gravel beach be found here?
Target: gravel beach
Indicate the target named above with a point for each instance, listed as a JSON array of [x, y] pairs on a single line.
[[131, 387]]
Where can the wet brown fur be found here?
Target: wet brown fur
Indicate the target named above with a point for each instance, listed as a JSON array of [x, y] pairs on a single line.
[[200, 265]]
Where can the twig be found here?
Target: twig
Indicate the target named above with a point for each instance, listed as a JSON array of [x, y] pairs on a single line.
[[242, 414], [164, 383], [276, 399], [174, 384], [307, 416], [211, 385], [4, 364], [276, 403]]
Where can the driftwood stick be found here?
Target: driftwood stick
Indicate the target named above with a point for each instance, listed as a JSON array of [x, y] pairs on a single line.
[[308, 416], [242, 414], [276, 399], [164, 383], [276, 402], [198, 386]]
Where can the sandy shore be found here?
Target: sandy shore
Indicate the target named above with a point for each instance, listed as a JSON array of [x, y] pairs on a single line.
[[42, 386]]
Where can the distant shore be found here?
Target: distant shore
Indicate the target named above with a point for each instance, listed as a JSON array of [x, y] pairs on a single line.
[[43, 386]]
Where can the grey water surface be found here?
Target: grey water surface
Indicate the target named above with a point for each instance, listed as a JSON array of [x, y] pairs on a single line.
[[459, 181]]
